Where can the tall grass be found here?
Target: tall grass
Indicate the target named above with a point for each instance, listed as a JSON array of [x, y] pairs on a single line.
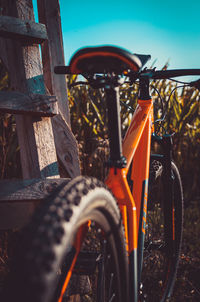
[[88, 117]]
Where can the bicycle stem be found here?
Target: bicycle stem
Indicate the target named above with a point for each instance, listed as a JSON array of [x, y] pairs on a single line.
[[144, 93]]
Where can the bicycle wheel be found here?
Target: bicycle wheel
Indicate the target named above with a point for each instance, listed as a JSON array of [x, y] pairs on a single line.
[[52, 267], [163, 234]]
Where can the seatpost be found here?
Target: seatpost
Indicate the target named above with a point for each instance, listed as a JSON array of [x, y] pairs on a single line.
[[114, 127]]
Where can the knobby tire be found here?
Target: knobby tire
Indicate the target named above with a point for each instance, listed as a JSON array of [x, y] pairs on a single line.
[[48, 249]]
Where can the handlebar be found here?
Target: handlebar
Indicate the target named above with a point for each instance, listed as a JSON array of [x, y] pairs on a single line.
[[149, 73], [166, 74]]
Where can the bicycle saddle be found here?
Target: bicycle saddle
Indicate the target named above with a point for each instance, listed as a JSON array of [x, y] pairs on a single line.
[[104, 59]]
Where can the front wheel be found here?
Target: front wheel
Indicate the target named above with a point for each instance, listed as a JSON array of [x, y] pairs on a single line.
[[74, 247], [163, 233]]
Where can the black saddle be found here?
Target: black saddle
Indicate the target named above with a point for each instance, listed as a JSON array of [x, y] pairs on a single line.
[[104, 59]]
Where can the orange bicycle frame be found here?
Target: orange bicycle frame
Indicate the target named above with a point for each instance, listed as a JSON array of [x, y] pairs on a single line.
[[132, 200]]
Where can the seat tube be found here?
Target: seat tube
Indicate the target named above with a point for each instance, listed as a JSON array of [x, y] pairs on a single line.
[[114, 126]]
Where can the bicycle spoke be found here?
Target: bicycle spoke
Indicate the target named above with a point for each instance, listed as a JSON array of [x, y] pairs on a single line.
[[112, 298], [111, 284]]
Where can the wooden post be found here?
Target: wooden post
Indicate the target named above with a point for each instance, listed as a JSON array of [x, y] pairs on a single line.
[[52, 55], [53, 52], [35, 135]]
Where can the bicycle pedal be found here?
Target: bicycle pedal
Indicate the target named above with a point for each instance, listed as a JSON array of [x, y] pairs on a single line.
[[155, 169]]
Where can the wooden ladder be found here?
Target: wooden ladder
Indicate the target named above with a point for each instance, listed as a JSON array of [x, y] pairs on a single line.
[[38, 98]]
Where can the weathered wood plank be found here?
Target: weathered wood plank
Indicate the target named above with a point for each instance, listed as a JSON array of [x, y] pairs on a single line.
[[32, 104], [29, 189], [66, 147], [18, 199], [35, 134], [26, 31], [52, 55]]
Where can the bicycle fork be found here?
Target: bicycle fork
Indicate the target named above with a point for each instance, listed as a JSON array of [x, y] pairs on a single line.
[[166, 144]]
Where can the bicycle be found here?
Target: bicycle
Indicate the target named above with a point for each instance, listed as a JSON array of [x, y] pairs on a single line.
[[101, 231]]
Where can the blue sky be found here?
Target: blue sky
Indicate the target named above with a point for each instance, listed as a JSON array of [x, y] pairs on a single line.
[[168, 30]]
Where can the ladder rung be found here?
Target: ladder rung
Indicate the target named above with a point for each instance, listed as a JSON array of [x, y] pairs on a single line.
[[27, 31], [28, 190], [32, 104], [19, 198]]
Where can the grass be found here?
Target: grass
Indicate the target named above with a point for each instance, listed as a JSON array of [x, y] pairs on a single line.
[[187, 286]]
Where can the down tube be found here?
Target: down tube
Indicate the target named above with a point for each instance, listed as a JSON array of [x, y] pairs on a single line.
[[140, 142], [139, 177]]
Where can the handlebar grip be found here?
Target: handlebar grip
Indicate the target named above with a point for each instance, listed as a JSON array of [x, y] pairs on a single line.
[[165, 74], [62, 70]]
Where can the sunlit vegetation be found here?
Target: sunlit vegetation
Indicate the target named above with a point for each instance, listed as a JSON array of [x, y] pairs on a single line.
[[88, 118]]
